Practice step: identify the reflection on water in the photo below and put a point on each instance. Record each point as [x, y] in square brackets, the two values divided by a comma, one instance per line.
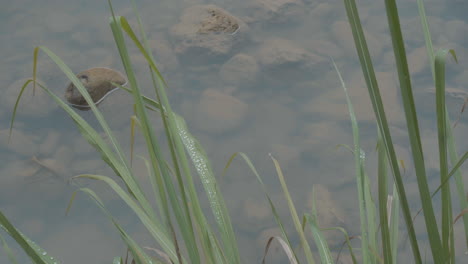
[267, 88]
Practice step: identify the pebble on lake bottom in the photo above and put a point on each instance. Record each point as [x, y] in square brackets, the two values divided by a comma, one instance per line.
[98, 83]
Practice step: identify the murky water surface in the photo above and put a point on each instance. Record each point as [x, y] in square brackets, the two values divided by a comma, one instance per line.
[262, 84]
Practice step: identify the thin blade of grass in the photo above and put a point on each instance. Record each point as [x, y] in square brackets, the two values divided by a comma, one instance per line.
[438, 252]
[146, 100]
[360, 175]
[377, 104]
[169, 124]
[347, 242]
[117, 260]
[180, 210]
[37, 254]
[394, 226]
[320, 241]
[8, 251]
[292, 210]
[155, 229]
[207, 237]
[116, 159]
[372, 232]
[455, 170]
[15, 108]
[383, 208]
[133, 123]
[439, 70]
[262, 185]
[139, 255]
[284, 245]
[450, 139]
[217, 204]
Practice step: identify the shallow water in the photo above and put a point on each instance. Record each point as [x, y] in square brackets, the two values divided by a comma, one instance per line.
[295, 111]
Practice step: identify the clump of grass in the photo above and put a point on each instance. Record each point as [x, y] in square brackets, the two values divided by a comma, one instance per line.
[441, 238]
[173, 216]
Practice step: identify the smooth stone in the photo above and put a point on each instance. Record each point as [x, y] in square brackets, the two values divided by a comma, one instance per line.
[98, 83]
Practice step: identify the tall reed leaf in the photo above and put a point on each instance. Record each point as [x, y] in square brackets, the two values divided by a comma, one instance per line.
[383, 203]
[218, 206]
[449, 133]
[359, 172]
[371, 81]
[155, 229]
[181, 212]
[292, 210]
[439, 70]
[37, 254]
[139, 256]
[270, 202]
[437, 251]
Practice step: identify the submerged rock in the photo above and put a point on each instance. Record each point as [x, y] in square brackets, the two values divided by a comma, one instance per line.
[218, 112]
[207, 32]
[98, 83]
[275, 11]
[240, 70]
[282, 60]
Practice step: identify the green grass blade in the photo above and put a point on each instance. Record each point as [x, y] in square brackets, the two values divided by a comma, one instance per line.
[115, 159]
[437, 251]
[459, 184]
[360, 175]
[372, 232]
[371, 81]
[394, 226]
[450, 139]
[8, 251]
[37, 254]
[286, 248]
[15, 108]
[427, 35]
[139, 256]
[383, 202]
[179, 148]
[320, 241]
[146, 100]
[217, 204]
[180, 210]
[173, 129]
[153, 227]
[117, 260]
[439, 70]
[347, 242]
[292, 210]
[270, 202]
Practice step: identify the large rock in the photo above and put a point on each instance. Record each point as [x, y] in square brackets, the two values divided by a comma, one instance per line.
[284, 61]
[275, 11]
[218, 112]
[98, 82]
[207, 32]
[239, 70]
[165, 57]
